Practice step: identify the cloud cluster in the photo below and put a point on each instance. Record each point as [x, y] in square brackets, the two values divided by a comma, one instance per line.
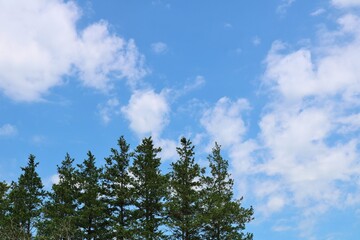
[40, 44]
[306, 154]
[309, 130]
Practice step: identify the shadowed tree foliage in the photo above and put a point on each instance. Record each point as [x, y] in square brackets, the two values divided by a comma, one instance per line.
[4, 211]
[118, 191]
[26, 200]
[149, 191]
[92, 211]
[60, 220]
[183, 205]
[223, 217]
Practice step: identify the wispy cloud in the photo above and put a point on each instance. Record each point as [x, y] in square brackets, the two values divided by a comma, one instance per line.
[256, 41]
[159, 47]
[109, 109]
[284, 6]
[318, 12]
[228, 25]
[346, 3]
[8, 130]
[198, 82]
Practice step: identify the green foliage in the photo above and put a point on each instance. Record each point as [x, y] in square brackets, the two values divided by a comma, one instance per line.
[118, 191]
[4, 207]
[92, 211]
[223, 217]
[183, 206]
[149, 191]
[128, 198]
[26, 200]
[60, 216]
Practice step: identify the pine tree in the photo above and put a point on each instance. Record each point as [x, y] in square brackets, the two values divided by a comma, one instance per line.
[26, 200]
[60, 210]
[3, 202]
[118, 191]
[4, 207]
[183, 203]
[223, 217]
[149, 191]
[91, 209]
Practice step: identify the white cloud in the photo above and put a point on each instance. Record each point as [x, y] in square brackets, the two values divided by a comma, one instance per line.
[297, 74]
[318, 12]
[109, 109]
[51, 180]
[159, 47]
[55, 179]
[147, 112]
[224, 123]
[8, 130]
[102, 54]
[40, 44]
[346, 3]
[38, 139]
[283, 7]
[309, 129]
[168, 148]
[198, 82]
[301, 157]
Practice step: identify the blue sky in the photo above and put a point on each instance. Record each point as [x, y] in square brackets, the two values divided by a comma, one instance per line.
[276, 83]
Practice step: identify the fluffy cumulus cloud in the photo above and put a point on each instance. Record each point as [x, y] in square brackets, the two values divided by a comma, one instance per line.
[310, 150]
[224, 123]
[8, 130]
[40, 44]
[147, 112]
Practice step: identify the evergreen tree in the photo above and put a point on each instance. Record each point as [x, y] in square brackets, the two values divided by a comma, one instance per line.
[223, 217]
[26, 200]
[91, 209]
[183, 202]
[4, 207]
[149, 191]
[60, 211]
[3, 202]
[118, 191]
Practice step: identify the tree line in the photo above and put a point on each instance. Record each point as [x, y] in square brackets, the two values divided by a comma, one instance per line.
[127, 198]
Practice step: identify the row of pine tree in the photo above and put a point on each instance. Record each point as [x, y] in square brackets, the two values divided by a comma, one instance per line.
[127, 198]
